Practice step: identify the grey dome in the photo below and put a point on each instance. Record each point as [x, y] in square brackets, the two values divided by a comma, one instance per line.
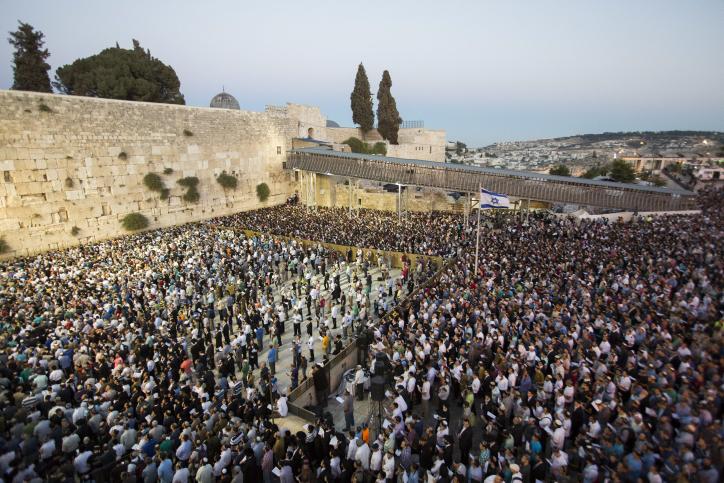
[331, 123]
[224, 100]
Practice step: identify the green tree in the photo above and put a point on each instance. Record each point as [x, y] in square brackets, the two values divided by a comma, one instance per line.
[622, 171]
[388, 119]
[560, 170]
[361, 100]
[30, 70]
[594, 171]
[115, 73]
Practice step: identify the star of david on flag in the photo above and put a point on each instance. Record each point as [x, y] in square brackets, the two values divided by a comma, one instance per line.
[488, 200]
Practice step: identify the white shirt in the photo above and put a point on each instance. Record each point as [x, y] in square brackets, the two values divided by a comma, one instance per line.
[81, 462]
[363, 456]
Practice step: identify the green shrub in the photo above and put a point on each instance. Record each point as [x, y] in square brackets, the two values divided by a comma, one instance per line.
[360, 147]
[262, 192]
[44, 108]
[560, 170]
[189, 182]
[122, 156]
[379, 148]
[356, 145]
[134, 222]
[167, 170]
[74, 231]
[227, 181]
[4, 247]
[154, 182]
[68, 182]
[192, 195]
[188, 133]
[165, 193]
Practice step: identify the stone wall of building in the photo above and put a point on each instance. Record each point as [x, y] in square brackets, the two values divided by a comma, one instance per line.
[79, 162]
[302, 118]
[414, 143]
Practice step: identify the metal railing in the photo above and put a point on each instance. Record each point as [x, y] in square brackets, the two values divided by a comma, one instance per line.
[412, 125]
[552, 189]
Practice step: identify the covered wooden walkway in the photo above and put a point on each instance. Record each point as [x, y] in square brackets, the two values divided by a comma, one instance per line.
[467, 179]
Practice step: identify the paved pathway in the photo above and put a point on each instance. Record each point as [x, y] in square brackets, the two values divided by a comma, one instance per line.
[284, 363]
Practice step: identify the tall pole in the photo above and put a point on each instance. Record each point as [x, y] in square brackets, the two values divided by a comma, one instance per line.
[349, 185]
[399, 202]
[477, 236]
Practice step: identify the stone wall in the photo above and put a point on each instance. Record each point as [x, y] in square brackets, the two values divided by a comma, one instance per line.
[332, 192]
[79, 162]
[414, 143]
[302, 118]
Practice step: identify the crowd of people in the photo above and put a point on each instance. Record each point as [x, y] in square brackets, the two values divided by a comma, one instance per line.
[432, 233]
[574, 351]
[153, 348]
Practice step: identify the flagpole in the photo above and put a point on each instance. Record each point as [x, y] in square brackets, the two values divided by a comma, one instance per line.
[477, 236]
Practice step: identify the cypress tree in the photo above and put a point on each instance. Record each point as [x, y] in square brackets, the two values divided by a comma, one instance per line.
[30, 70]
[361, 97]
[388, 119]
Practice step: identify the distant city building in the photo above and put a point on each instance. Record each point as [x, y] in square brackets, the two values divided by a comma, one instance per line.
[224, 100]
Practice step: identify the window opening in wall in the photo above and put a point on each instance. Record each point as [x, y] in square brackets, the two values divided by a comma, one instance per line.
[6, 176]
[430, 149]
[63, 215]
[105, 209]
[279, 150]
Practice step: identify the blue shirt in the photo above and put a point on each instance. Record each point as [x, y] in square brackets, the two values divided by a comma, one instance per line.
[272, 356]
[165, 471]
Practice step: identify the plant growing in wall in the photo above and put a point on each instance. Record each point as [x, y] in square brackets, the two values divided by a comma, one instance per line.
[192, 193]
[122, 156]
[134, 222]
[188, 133]
[227, 181]
[167, 170]
[262, 192]
[68, 182]
[74, 231]
[4, 247]
[154, 182]
[44, 108]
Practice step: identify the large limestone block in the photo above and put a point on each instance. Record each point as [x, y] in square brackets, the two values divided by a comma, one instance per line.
[76, 194]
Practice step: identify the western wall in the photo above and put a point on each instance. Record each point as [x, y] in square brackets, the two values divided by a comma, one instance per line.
[72, 167]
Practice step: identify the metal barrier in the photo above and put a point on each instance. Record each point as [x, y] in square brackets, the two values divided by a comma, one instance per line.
[467, 179]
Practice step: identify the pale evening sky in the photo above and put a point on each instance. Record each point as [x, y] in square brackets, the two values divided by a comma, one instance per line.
[485, 70]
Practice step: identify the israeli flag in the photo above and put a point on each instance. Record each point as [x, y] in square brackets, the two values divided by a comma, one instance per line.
[488, 199]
